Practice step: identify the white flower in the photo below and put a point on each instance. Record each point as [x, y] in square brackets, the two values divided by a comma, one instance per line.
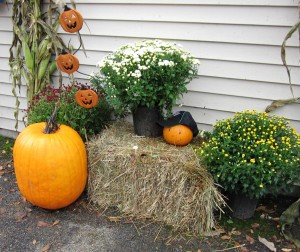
[100, 64]
[128, 52]
[196, 61]
[137, 74]
[135, 147]
[116, 69]
[166, 63]
[142, 67]
[92, 75]
[184, 57]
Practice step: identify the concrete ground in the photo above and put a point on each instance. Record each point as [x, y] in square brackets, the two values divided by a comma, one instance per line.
[79, 227]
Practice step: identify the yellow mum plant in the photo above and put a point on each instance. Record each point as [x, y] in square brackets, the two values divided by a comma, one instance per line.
[254, 153]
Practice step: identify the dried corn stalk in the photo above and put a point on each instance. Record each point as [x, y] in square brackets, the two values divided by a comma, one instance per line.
[34, 46]
[280, 103]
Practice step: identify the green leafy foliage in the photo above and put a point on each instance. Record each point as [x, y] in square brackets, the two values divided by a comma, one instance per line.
[148, 73]
[253, 152]
[85, 121]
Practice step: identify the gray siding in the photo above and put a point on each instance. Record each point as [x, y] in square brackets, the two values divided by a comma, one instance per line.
[237, 41]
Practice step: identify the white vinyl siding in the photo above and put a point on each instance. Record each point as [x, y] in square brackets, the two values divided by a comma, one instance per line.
[237, 41]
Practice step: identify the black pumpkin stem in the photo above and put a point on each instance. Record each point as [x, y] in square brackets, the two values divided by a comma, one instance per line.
[66, 8]
[52, 126]
[83, 87]
[63, 51]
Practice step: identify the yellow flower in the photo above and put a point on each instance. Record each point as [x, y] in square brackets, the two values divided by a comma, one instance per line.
[252, 160]
[261, 185]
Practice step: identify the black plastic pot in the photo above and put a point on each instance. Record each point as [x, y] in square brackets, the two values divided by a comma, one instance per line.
[144, 121]
[243, 207]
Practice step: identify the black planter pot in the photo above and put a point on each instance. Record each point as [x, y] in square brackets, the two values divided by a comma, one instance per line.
[144, 121]
[243, 207]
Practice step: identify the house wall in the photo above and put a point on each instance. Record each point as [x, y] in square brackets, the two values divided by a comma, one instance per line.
[237, 41]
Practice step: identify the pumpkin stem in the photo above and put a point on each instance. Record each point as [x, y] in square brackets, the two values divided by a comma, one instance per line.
[64, 52]
[51, 125]
[83, 87]
[66, 8]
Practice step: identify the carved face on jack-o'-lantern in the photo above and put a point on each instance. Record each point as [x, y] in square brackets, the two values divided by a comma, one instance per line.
[67, 62]
[70, 20]
[86, 98]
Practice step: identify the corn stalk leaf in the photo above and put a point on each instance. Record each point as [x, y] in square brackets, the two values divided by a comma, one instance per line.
[280, 103]
[283, 52]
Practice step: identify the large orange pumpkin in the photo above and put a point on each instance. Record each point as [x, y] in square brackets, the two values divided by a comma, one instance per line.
[51, 169]
[179, 135]
[70, 20]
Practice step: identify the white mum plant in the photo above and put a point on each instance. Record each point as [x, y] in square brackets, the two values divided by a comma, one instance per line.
[151, 73]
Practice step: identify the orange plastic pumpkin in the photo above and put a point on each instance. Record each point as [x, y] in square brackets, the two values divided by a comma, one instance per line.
[178, 135]
[51, 169]
[67, 62]
[86, 98]
[70, 20]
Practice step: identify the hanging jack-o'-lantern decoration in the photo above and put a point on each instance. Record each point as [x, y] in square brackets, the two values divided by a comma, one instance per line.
[86, 98]
[67, 62]
[71, 20]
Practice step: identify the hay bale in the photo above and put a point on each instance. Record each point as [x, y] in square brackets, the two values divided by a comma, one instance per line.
[145, 177]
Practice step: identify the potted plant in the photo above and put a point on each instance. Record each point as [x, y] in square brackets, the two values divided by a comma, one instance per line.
[146, 76]
[252, 154]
